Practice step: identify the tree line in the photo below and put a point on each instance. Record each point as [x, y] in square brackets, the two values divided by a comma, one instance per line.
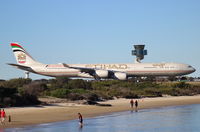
[24, 92]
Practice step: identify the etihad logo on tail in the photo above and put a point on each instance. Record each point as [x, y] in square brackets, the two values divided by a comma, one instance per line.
[21, 55]
[21, 58]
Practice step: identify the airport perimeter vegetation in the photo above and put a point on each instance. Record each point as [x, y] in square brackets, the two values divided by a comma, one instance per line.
[25, 92]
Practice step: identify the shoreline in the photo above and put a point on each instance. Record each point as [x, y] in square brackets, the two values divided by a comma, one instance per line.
[25, 116]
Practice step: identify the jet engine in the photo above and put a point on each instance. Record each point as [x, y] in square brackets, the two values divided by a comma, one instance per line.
[101, 73]
[120, 75]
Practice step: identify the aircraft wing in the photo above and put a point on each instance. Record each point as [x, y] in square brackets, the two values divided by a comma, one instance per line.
[26, 68]
[102, 73]
[90, 71]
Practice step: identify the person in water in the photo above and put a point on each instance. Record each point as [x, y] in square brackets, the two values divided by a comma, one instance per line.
[131, 103]
[80, 117]
[136, 105]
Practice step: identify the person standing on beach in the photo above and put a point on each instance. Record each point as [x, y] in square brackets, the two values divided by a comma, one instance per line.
[80, 117]
[136, 105]
[3, 116]
[131, 102]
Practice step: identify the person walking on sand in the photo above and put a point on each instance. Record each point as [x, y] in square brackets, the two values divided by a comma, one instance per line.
[3, 116]
[131, 103]
[136, 105]
[80, 117]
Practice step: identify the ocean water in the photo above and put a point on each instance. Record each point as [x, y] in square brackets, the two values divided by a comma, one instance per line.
[166, 119]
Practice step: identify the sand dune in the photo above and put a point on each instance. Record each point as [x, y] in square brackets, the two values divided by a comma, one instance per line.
[68, 111]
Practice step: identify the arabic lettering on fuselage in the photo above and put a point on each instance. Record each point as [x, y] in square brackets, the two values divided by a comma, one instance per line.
[107, 66]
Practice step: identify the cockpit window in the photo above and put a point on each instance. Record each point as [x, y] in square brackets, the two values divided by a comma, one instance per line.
[189, 66]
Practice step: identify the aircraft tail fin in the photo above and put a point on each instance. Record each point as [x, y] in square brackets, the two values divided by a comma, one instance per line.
[22, 57]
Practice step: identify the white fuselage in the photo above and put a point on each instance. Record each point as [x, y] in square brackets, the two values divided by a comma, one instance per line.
[131, 70]
[97, 71]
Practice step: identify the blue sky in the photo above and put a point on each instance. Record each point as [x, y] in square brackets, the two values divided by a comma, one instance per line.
[99, 31]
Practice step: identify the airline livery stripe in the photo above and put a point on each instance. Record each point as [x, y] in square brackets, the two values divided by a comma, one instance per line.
[18, 50]
[160, 71]
[59, 72]
[16, 45]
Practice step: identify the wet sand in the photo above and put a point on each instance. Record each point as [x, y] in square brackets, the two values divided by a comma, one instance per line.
[68, 111]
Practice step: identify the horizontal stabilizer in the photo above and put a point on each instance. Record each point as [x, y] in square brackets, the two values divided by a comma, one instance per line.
[21, 67]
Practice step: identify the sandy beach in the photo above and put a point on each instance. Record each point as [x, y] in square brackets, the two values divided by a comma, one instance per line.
[68, 111]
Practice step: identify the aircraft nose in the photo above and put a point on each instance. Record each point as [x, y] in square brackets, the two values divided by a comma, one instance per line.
[193, 69]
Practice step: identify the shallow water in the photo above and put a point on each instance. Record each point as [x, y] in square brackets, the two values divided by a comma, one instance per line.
[166, 119]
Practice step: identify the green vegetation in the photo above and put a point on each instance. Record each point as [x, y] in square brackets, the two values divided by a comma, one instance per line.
[20, 92]
[15, 93]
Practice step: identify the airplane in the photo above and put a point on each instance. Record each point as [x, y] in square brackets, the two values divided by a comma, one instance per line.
[120, 71]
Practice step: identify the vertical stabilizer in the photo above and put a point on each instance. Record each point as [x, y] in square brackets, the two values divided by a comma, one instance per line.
[22, 57]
